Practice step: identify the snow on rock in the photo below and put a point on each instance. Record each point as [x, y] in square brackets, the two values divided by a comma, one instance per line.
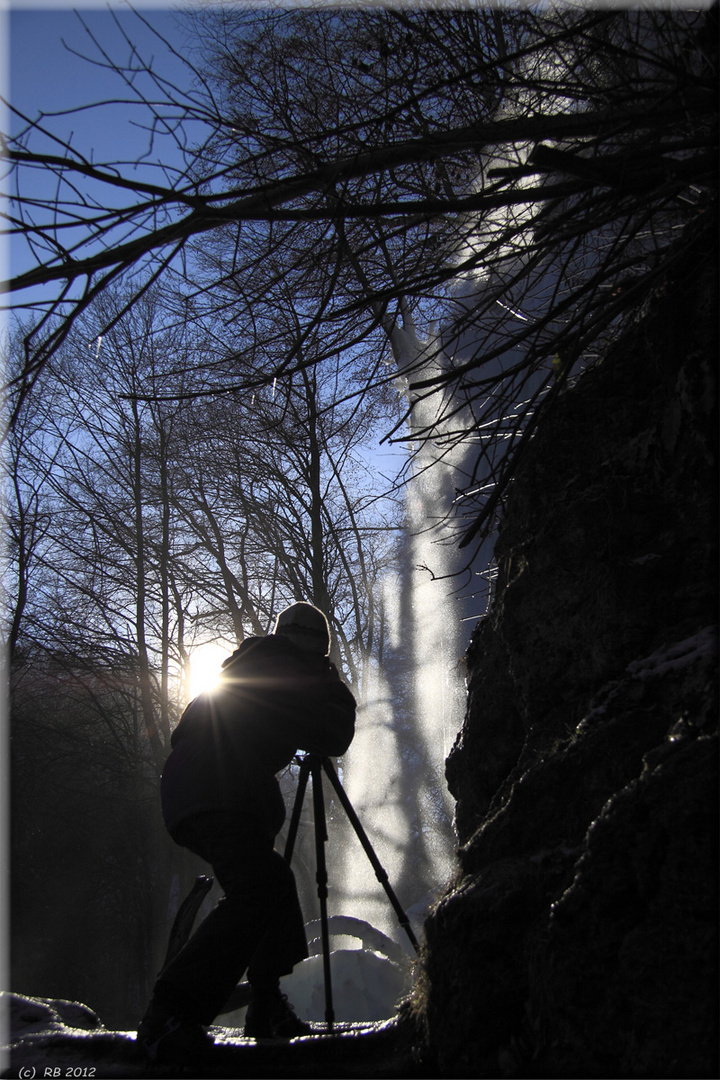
[57, 1038]
[669, 659]
[678, 655]
[46, 1014]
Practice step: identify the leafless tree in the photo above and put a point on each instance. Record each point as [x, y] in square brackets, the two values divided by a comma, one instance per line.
[369, 161]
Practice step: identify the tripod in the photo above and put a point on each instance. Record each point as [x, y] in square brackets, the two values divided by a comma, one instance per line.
[313, 766]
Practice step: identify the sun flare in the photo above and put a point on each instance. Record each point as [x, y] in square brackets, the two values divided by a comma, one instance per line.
[205, 664]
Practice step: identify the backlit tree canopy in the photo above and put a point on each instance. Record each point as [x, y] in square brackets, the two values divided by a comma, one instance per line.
[505, 184]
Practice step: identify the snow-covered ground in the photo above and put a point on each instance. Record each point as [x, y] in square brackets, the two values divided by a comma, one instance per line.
[63, 1039]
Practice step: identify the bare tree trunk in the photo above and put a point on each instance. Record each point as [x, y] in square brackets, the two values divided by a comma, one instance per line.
[145, 673]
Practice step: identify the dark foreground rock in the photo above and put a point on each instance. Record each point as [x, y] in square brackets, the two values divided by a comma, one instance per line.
[580, 937]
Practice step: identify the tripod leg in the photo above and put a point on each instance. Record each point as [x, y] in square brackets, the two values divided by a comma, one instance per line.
[322, 890]
[295, 819]
[380, 872]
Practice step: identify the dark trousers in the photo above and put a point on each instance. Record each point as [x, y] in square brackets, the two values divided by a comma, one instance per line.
[257, 926]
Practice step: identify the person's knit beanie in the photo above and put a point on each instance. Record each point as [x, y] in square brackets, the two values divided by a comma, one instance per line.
[306, 626]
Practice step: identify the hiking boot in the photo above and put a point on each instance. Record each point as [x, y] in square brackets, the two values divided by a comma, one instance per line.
[169, 1038]
[273, 1017]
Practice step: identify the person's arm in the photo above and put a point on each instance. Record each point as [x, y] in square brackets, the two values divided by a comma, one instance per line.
[301, 699]
[327, 723]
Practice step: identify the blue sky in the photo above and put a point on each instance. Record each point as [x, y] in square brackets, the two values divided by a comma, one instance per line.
[43, 73]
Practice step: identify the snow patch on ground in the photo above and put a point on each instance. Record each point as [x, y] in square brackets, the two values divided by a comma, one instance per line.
[366, 987]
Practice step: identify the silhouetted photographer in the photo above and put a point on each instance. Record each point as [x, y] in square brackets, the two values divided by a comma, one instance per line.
[221, 799]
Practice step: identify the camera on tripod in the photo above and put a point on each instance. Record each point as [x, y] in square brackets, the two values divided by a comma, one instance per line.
[312, 766]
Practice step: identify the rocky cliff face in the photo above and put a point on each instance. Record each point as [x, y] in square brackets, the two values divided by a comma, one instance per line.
[579, 938]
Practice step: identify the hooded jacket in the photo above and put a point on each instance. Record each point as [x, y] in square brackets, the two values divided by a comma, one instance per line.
[274, 699]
